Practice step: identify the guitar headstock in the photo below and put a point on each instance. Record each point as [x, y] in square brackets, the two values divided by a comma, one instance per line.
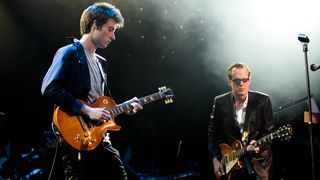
[166, 93]
[284, 132]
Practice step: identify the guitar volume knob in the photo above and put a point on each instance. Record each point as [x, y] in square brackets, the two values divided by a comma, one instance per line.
[77, 138]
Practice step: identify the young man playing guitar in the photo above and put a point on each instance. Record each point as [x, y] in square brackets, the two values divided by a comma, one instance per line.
[239, 118]
[78, 75]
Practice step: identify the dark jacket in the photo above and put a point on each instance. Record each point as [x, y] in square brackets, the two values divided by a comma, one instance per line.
[223, 128]
[68, 78]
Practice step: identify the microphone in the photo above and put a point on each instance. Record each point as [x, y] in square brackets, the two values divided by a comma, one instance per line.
[314, 67]
[303, 38]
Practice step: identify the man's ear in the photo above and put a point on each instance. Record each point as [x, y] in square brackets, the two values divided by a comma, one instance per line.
[229, 82]
[94, 25]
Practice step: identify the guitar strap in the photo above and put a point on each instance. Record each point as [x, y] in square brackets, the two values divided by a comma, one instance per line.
[245, 134]
[106, 137]
[103, 75]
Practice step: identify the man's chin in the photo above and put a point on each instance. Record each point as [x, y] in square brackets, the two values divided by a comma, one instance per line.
[102, 46]
[242, 94]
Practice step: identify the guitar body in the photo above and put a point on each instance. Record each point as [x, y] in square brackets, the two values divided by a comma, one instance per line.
[81, 132]
[85, 134]
[231, 161]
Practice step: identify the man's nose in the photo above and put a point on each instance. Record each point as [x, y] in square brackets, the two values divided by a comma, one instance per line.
[113, 36]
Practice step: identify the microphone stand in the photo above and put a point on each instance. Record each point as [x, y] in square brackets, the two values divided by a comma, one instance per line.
[305, 40]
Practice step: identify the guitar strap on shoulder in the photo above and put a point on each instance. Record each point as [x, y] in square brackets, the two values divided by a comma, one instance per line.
[103, 74]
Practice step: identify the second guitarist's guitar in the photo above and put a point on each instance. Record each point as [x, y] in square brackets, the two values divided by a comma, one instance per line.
[231, 155]
[85, 134]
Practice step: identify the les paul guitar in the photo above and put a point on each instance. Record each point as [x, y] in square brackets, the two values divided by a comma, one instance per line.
[85, 134]
[231, 155]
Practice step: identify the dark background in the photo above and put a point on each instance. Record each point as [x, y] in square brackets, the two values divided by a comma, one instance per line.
[184, 45]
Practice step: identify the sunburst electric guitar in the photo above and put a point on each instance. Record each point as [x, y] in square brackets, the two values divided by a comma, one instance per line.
[84, 134]
[230, 155]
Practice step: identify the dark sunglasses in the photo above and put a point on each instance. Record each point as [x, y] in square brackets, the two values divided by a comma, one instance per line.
[238, 81]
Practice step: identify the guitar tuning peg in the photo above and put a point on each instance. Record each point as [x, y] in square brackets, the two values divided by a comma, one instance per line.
[167, 101]
[162, 88]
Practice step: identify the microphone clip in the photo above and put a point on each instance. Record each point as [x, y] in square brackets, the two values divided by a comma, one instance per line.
[314, 67]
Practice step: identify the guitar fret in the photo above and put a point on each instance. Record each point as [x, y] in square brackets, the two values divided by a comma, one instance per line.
[150, 98]
[117, 110]
[127, 107]
[111, 112]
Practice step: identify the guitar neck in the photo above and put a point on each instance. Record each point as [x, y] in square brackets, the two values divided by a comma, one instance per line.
[266, 138]
[124, 107]
[259, 142]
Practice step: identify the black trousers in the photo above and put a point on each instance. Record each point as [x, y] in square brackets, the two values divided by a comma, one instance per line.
[103, 162]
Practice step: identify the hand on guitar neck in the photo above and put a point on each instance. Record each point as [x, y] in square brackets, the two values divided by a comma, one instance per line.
[251, 148]
[102, 115]
[134, 102]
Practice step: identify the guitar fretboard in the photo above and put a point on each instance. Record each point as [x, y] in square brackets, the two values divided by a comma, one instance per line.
[259, 142]
[126, 106]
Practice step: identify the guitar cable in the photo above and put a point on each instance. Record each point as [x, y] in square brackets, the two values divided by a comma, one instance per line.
[56, 150]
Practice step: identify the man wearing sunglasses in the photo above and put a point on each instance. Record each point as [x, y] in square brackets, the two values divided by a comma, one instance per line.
[239, 118]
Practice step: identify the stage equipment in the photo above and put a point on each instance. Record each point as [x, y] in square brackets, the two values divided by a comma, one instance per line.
[305, 40]
[314, 67]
